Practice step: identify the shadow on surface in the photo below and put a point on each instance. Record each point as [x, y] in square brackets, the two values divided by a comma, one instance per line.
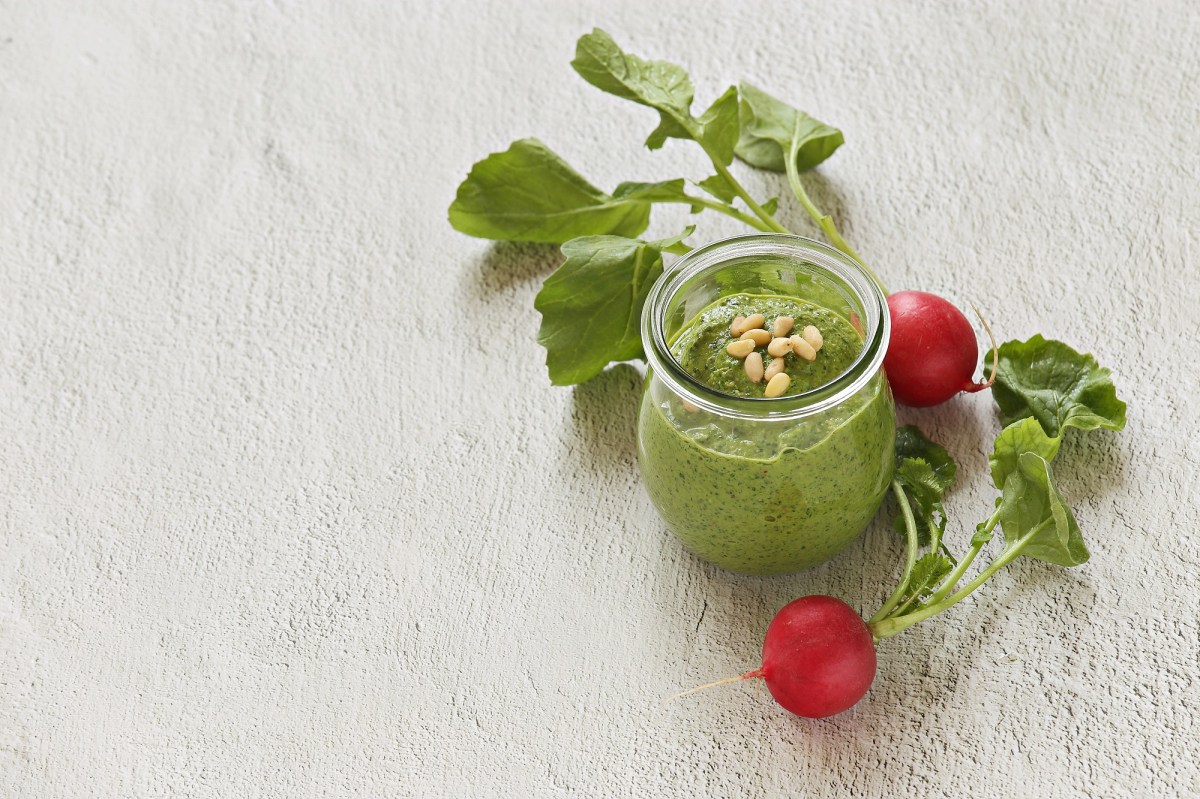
[953, 641]
[1091, 463]
[604, 414]
[825, 195]
[506, 266]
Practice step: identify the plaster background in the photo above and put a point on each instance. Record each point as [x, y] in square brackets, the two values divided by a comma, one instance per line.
[288, 507]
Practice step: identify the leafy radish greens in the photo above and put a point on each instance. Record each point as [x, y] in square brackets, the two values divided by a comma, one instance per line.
[1032, 513]
[529, 193]
[769, 127]
[599, 271]
[1057, 386]
[1024, 436]
[927, 472]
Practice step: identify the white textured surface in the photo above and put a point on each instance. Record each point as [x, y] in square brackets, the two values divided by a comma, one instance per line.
[288, 507]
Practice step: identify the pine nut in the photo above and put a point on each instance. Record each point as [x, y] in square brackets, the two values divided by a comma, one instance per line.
[740, 348]
[758, 336]
[779, 347]
[752, 321]
[754, 367]
[690, 407]
[776, 365]
[813, 337]
[738, 326]
[803, 348]
[783, 326]
[779, 384]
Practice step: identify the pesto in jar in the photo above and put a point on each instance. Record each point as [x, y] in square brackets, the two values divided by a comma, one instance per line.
[756, 495]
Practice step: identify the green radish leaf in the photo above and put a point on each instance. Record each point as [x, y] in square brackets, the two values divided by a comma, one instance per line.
[771, 206]
[716, 128]
[718, 187]
[672, 244]
[922, 481]
[1061, 388]
[926, 472]
[719, 127]
[666, 88]
[668, 128]
[660, 85]
[983, 531]
[662, 191]
[767, 127]
[666, 191]
[929, 571]
[1014, 441]
[924, 489]
[1030, 504]
[592, 305]
[912, 443]
[528, 193]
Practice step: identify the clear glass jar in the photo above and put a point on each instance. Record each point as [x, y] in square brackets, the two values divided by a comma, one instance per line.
[756, 485]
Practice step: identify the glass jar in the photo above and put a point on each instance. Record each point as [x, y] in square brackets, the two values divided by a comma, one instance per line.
[757, 485]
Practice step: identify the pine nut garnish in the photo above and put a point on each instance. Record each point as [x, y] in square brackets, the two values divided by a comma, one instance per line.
[783, 326]
[813, 337]
[740, 348]
[779, 347]
[776, 366]
[778, 384]
[738, 326]
[803, 348]
[754, 367]
[758, 336]
[752, 321]
[690, 407]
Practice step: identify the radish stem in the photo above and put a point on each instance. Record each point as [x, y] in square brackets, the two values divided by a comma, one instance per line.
[889, 627]
[823, 220]
[726, 209]
[910, 531]
[737, 187]
[952, 579]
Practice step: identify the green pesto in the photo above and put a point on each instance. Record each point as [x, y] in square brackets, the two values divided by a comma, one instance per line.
[766, 497]
[700, 346]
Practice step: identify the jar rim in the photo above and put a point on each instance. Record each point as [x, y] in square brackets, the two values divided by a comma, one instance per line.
[711, 258]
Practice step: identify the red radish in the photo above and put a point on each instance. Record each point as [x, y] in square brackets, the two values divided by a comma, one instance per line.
[818, 657]
[933, 352]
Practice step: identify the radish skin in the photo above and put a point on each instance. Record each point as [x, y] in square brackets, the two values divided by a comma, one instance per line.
[933, 351]
[818, 657]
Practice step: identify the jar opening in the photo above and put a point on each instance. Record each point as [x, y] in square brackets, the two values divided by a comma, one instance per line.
[764, 264]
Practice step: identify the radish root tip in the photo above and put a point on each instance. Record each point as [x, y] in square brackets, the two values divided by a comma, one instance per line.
[973, 387]
[750, 675]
